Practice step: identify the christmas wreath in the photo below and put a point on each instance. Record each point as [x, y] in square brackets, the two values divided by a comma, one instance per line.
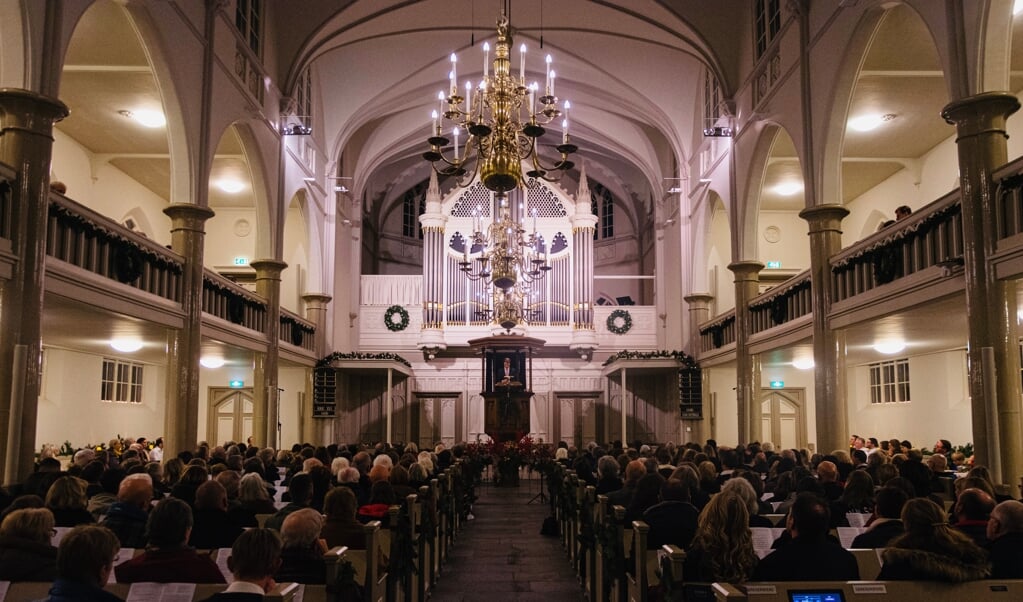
[619, 322]
[396, 325]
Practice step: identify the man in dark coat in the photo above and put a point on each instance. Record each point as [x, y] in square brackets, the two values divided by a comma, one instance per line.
[128, 515]
[673, 520]
[214, 527]
[302, 555]
[887, 524]
[809, 556]
[1005, 535]
[85, 560]
[168, 559]
[972, 510]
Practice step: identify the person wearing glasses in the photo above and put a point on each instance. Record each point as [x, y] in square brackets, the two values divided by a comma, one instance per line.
[85, 560]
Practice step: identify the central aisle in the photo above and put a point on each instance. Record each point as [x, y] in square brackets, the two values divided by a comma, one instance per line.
[501, 556]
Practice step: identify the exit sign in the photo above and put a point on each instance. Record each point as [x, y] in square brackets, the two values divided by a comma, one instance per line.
[241, 261]
[777, 384]
[236, 384]
[773, 265]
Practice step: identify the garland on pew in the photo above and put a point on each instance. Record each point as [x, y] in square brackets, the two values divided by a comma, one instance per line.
[346, 586]
[337, 356]
[402, 563]
[608, 538]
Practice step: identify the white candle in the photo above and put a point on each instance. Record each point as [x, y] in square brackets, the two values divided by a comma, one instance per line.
[486, 59]
[455, 131]
[532, 99]
[534, 222]
[440, 99]
[454, 74]
[453, 86]
[468, 95]
[564, 133]
[522, 63]
[436, 124]
[548, 85]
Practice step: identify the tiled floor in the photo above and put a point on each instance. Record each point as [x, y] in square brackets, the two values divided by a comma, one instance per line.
[501, 556]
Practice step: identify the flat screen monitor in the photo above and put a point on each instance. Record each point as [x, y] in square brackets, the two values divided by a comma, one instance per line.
[816, 595]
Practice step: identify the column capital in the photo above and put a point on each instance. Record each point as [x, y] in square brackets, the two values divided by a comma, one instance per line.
[187, 216]
[745, 269]
[268, 268]
[827, 216]
[316, 300]
[698, 300]
[980, 113]
[33, 112]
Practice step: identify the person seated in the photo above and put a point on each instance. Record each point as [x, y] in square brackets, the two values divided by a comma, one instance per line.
[168, 559]
[607, 471]
[931, 550]
[38, 483]
[255, 558]
[887, 521]
[67, 501]
[301, 490]
[1005, 540]
[673, 520]
[742, 488]
[972, 511]
[253, 499]
[25, 550]
[85, 560]
[648, 494]
[634, 471]
[381, 499]
[185, 488]
[128, 515]
[213, 527]
[856, 497]
[827, 476]
[722, 547]
[809, 556]
[302, 554]
[341, 527]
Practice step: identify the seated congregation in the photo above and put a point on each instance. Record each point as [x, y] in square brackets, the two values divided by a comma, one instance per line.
[629, 517]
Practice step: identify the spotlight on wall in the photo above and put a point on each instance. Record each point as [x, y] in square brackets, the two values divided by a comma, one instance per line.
[803, 363]
[211, 361]
[145, 117]
[890, 346]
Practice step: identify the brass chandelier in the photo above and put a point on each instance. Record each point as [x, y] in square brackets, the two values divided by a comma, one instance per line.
[503, 122]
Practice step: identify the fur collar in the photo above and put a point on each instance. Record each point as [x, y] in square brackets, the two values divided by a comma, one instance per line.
[969, 564]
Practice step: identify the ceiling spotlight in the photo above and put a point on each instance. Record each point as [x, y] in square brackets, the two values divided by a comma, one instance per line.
[788, 188]
[890, 346]
[803, 363]
[230, 185]
[146, 117]
[126, 345]
[212, 361]
[866, 123]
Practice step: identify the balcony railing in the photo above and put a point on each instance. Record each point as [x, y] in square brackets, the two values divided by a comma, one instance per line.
[786, 302]
[228, 301]
[930, 236]
[718, 333]
[1009, 200]
[297, 331]
[85, 239]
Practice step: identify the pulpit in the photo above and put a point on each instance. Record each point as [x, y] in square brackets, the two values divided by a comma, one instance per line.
[507, 365]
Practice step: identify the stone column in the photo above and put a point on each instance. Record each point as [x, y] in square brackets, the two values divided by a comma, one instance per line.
[828, 346]
[990, 303]
[699, 312]
[266, 395]
[26, 143]
[315, 312]
[747, 282]
[181, 414]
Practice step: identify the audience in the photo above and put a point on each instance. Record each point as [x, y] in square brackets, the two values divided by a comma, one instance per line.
[341, 527]
[722, 548]
[168, 559]
[213, 527]
[809, 556]
[25, 550]
[67, 501]
[887, 520]
[253, 500]
[674, 519]
[127, 516]
[972, 510]
[301, 490]
[255, 558]
[932, 550]
[85, 560]
[302, 554]
[1005, 540]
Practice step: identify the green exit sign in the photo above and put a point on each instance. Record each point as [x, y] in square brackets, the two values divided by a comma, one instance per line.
[773, 265]
[777, 384]
[241, 261]
[236, 384]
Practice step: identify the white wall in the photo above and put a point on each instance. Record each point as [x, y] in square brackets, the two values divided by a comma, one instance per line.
[726, 427]
[940, 406]
[107, 190]
[224, 242]
[791, 248]
[70, 408]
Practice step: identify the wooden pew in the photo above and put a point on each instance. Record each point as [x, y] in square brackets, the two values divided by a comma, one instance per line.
[26, 591]
[369, 570]
[990, 590]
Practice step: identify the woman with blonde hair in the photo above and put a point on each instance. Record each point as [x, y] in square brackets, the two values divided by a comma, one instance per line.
[25, 550]
[931, 550]
[67, 501]
[722, 549]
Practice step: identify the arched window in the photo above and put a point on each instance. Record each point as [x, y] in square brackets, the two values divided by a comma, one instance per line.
[413, 205]
[602, 203]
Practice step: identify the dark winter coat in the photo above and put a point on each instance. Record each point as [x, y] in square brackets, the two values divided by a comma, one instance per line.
[969, 564]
